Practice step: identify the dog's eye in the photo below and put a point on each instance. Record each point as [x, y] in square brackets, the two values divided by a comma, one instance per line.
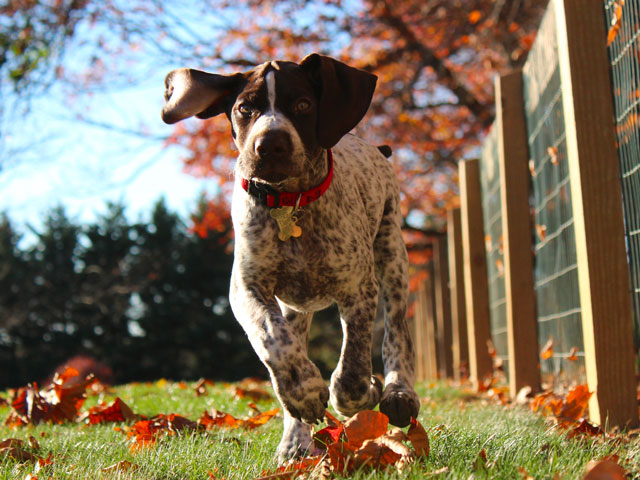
[245, 110]
[302, 106]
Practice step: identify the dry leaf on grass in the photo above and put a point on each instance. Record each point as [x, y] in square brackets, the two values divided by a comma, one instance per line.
[605, 469]
[255, 394]
[57, 403]
[363, 441]
[116, 411]
[123, 466]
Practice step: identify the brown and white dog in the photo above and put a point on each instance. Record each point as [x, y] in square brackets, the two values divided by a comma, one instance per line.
[316, 214]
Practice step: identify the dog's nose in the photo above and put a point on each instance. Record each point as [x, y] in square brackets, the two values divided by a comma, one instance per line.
[274, 144]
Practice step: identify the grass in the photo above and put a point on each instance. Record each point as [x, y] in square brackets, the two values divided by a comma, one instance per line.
[460, 426]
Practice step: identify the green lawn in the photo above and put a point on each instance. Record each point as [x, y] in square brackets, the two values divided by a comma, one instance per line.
[460, 427]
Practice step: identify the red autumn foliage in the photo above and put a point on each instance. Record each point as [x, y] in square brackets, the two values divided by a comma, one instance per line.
[255, 394]
[566, 410]
[363, 441]
[145, 432]
[217, 419]
[57, 403]
[116, 411]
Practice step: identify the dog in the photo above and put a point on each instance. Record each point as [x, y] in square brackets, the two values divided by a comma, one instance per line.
[317, 221]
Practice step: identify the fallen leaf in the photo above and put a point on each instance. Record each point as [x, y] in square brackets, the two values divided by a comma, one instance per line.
[16, 449]
[144, 433]
[547, 351]
[585, 428]
[606, 469]
[58, 403]
[201, 387]
[576, 403]
[419, 439]
[256, 394]
[481, 461]
[123, 466]
[217, 419]
[116, 411]
[365, 425]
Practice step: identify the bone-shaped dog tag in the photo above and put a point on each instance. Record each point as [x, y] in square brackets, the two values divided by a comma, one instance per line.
[286, 222]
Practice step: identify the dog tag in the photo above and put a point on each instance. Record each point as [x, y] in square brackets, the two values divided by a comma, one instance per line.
[286, 222]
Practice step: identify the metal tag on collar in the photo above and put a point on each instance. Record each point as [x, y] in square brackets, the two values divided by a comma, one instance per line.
[286, 222]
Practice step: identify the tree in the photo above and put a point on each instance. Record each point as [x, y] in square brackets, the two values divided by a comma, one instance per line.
[435, 60]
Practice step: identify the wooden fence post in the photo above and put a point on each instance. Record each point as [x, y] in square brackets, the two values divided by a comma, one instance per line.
[459, 341]
[513, 155]
[475, 271]
[443, 307]
[425, 331]
[603, 274]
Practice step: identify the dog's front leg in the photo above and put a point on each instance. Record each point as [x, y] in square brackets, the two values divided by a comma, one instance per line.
[296, 380]
[353, 388]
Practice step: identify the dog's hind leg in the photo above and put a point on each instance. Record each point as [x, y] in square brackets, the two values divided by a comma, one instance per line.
[353, 388]
[399, 400]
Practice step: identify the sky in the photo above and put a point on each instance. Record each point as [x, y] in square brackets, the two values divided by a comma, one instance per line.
[50, 159]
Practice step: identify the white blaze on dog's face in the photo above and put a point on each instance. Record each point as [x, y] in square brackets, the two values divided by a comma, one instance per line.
[283, 114]
[274, 123]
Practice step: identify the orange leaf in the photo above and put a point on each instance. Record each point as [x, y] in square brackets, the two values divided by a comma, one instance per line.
[116, 411]
[474, 17]
[256, 394]
[541, 230]
[123, 466]
[260, 419]
[553, 154]
[547, 351]
[576, 403]
[615, 21]
[606, 469]
[573, 354]
[418, 438]
[365, 425]
[491, 348]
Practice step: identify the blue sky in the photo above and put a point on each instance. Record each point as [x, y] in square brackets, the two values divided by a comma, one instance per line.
[60, 160]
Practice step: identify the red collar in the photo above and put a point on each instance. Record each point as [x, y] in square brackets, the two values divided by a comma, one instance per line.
[274, 199]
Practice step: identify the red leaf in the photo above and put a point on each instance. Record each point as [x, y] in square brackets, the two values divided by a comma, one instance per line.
[365, 425]
[256, 394]
[116, 411]
[418, 438]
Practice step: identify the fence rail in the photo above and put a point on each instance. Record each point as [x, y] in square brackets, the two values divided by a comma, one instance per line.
[546, 245]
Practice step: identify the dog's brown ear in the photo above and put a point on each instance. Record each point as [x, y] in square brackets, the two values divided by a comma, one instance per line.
[344, 96]
[192, 92]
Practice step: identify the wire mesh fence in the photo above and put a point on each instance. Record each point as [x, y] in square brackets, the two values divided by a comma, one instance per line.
[492, 215]
[623, 20]
[555, 271]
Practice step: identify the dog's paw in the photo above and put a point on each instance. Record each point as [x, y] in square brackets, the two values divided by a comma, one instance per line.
[302, 391]
[296, 441]
[400, 403]
[348, 399]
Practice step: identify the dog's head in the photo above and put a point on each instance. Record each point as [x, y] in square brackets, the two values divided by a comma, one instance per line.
[282, 114]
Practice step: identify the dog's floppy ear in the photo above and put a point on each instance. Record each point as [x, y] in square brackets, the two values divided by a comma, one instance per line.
[191, 92]
[344, 96]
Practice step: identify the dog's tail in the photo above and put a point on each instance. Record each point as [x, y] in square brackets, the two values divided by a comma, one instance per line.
[385, 150]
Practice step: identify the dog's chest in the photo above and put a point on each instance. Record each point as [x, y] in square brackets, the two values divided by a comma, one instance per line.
[328, 259]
